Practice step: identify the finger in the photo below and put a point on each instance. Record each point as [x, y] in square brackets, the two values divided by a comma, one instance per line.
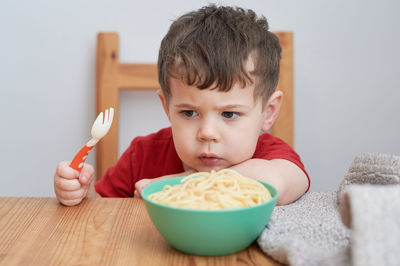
[142, 184]
[137, 195]
[66, 184]
[70, 202]
[70, 195]
[65, 171]
[87, 174]
[85, 190]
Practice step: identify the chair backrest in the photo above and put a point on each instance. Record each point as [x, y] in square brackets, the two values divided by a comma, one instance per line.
[113, 76]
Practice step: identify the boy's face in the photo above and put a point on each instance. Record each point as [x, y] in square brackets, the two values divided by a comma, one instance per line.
[213, 130]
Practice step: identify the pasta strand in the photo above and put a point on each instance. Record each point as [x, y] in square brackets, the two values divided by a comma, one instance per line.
[216, 190]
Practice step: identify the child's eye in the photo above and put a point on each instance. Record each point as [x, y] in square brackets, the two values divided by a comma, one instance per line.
[230, 115]
[189, 113]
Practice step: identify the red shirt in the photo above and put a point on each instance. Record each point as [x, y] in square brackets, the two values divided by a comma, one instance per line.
[155, 155]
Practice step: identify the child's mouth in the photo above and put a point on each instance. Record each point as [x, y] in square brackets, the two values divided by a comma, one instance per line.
[210, 160]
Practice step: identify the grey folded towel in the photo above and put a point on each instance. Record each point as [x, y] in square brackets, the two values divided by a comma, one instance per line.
[310, 231]
[306, 232]
[370, 168]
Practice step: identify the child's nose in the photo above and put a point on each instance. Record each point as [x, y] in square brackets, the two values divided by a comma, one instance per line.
[208, 131]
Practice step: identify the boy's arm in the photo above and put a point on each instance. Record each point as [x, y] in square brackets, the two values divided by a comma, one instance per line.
[290, 181]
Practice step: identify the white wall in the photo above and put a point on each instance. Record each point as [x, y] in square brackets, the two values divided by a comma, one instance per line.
[347, 79]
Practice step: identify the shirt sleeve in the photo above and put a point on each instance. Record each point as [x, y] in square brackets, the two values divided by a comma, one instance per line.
[270, 147]
[117, 181]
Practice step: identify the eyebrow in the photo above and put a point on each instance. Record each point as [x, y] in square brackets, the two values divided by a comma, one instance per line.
[222, 107]
[185, 105]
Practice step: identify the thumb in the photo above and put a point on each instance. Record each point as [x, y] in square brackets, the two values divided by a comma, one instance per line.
[86, 175]
[64, 170]
[140, 185]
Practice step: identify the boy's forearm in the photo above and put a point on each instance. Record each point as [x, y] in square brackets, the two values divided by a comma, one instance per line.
[290, 181]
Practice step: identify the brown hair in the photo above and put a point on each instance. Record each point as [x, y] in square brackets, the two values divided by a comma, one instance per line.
[209, 47]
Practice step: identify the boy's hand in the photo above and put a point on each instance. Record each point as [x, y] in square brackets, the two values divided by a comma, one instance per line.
[141, 184]
[70, 186]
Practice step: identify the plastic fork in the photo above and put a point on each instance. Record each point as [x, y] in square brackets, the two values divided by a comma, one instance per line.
[99, 130]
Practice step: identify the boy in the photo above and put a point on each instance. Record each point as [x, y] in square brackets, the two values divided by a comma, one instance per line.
[218, 69]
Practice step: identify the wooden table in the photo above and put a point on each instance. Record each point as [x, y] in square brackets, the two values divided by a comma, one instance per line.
[99, 231]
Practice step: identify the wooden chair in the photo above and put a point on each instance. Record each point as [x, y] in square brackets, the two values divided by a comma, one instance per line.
[113, 76]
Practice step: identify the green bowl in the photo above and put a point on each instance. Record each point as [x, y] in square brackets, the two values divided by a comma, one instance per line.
[208, 232]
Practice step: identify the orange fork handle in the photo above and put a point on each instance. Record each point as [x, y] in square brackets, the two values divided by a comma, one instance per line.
[80, 158]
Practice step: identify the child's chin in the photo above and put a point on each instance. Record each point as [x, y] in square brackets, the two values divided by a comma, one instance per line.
[205, 168]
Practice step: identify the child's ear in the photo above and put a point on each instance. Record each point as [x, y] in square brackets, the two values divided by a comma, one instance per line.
[272, 108]
[163, 101]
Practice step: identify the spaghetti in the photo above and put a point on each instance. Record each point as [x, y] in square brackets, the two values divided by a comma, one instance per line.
[224, 189]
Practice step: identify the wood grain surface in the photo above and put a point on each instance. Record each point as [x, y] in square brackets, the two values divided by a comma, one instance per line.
[99, 231]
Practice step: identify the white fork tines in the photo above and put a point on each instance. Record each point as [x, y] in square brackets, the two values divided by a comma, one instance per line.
[100, 127]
